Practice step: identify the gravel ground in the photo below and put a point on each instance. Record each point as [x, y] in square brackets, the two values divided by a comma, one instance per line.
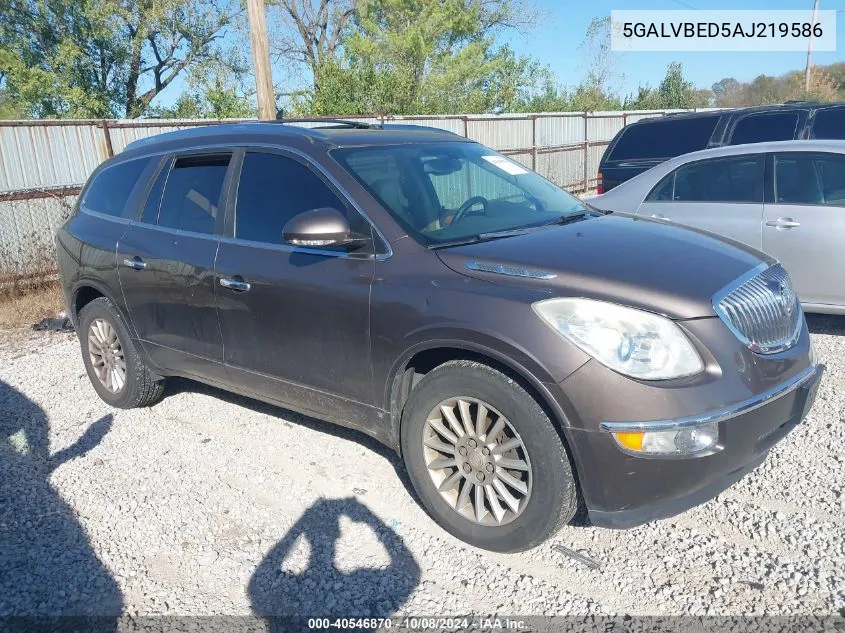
[209, 503]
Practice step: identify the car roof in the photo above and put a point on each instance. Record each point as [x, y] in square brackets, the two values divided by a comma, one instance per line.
[278, 132]
[820, 145]
[778, 107]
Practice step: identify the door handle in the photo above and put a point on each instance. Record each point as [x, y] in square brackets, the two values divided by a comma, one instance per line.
[136, 262]
[783, 223]
[238, 285]
[658, 216]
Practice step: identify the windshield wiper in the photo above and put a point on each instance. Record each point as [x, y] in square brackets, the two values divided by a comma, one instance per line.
[463, 241]
[569, 218]
[495, 235]
[490, 235]
[595, 209]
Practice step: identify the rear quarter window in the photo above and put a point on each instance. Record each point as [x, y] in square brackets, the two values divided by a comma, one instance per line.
[191, 199]
[665, 138]
[829, 124]
[759, 128]
[111, 190]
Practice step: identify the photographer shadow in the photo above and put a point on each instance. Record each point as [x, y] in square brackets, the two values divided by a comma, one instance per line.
[48, 567]
[321, 589]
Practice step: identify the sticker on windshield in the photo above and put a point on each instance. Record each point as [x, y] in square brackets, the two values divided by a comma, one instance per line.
[514, 169]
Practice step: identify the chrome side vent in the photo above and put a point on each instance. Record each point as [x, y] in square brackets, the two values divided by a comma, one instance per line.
[513, 271]
[762, 310]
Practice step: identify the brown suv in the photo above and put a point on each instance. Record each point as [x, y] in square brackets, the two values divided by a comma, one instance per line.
[523, 352]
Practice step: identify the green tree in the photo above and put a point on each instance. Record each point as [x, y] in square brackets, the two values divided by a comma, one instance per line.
[674, 92]
[214, 91]
[103, 58]
[424, 57]
[310, 32]
[726, 91]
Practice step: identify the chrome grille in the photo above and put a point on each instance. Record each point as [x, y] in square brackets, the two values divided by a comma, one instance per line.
[762, 310]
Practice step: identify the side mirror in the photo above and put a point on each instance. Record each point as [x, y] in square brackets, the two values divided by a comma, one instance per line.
[319, 227]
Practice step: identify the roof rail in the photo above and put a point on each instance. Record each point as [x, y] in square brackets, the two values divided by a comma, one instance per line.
[358, 125]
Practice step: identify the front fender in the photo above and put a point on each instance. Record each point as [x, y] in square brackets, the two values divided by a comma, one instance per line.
[503, 351]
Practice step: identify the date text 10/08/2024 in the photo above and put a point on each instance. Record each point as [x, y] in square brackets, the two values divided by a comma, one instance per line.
[419, 623]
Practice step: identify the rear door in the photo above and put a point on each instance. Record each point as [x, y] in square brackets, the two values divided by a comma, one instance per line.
[295, 321]
[722, 195]
[166, 264]
[804, 223]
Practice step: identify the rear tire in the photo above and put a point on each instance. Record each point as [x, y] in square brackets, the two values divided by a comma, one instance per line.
[116, 370]
[504, 443]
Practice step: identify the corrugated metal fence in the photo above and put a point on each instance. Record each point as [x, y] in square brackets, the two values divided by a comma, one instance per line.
[43, 164]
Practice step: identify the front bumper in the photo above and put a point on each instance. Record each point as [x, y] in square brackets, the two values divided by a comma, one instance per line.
[623, 490]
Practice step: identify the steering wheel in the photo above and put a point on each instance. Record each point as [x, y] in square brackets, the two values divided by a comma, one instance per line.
[466, 206]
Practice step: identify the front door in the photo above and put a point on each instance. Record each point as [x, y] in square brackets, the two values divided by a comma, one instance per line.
[721, 195]
[804, 224]
[295, 321]
[166, 264]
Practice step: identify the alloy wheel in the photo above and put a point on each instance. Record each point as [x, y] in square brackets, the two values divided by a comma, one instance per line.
[477, 461]
[106, 354]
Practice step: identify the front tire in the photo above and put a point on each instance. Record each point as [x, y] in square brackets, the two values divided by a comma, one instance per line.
[116, 370]
[485, 459]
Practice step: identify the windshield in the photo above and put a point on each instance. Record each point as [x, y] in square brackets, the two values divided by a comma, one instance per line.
[448, 192]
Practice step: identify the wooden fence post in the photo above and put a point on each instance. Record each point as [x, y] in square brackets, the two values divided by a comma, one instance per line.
[586, 149]
[107, 135]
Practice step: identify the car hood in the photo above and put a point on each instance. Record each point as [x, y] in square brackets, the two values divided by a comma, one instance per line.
[629, 260]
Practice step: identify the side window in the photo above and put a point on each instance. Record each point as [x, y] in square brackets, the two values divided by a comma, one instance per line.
[666, 138]
[153, 201]
[832, 174]
[191, 197]
[664, 191]
[273, 189]
[829, 123]
[796, 181]
[721, 180]
[758, 128]
[112, 188]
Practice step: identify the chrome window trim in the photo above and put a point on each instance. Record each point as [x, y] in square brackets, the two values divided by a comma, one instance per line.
[106, 216]
[311, 161]
[724, 292]
[286, 248]
[180, 232]
[290, 248]
[719, 415]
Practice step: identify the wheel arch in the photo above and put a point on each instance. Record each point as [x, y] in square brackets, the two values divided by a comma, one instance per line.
[429, 355]
[87, 290]
[421, 358]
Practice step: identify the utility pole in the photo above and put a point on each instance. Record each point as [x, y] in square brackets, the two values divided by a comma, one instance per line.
[810, 51]
[261, 60]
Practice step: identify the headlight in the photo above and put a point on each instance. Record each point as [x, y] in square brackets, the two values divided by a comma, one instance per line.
[633, 342]
[681, 441]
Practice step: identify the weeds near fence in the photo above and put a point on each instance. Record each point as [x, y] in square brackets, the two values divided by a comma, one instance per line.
[29, 289]
[30, 306]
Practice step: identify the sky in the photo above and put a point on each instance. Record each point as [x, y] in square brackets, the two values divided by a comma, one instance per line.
[556, 40]
[564, 23]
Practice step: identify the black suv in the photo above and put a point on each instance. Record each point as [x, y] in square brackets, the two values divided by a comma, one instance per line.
[521, 351]
[642, 145]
